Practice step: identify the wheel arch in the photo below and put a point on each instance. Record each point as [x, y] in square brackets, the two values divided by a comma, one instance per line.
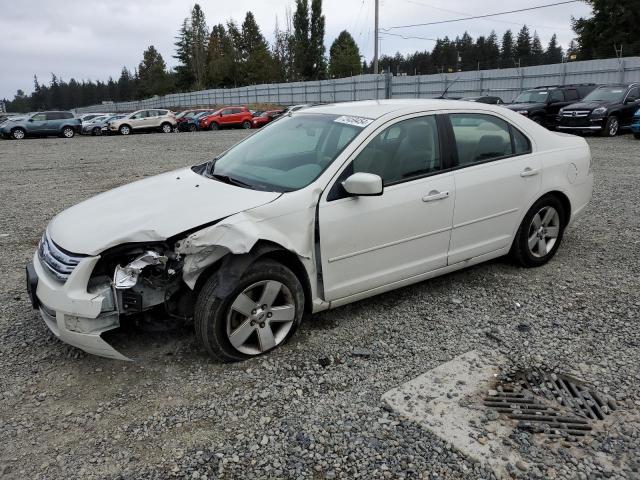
[234, 265]
[562, 197]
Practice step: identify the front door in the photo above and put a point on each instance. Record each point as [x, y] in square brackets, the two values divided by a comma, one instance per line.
[38, 123]
[368, 242]
[631, 104]
[497, 176]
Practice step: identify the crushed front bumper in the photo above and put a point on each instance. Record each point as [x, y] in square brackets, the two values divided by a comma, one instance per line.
[73, 314]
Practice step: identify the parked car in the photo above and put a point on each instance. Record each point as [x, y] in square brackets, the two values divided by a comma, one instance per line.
[484, 99]
[265, 118]
[227, 117]
[326, 206]
[192, 123]
[186, 115]
[606, 110]
[542, 104]
[42, 124]
[145, 120]
[88, 125]
[88, 117]
[100, 125]
[295, 108]
[635, 125]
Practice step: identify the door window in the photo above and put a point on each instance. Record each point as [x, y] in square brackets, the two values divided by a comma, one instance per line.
[480, 138]
[633, 94]
[406, 150]
[556, 96]
[571, 94]
[39, 117]
[227, 111]
[236, 110]
[53, 116]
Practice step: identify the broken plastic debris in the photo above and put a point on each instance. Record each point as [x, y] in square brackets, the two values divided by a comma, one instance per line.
[127, 277]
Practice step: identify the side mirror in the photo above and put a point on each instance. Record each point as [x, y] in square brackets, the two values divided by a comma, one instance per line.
[31, 119]
[631, 100]
[363, 184]
[220, 114]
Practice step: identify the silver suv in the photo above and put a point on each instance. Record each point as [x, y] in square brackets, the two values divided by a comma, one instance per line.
[156, 119]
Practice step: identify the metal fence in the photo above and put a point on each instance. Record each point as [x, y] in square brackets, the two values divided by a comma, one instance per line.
[505, 83]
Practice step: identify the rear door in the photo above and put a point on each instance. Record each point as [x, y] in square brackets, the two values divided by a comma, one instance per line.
[496, 177]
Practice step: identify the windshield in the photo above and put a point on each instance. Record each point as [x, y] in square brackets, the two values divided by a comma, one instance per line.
[607, 94]
[288, 154]
[532, 96]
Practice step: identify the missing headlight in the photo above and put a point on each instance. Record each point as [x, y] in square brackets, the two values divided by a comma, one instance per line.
[127, 277]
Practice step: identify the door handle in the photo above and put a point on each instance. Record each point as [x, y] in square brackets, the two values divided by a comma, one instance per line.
[435, 195]
[529, 172]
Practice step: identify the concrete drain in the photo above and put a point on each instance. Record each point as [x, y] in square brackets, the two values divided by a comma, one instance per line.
[550, 403]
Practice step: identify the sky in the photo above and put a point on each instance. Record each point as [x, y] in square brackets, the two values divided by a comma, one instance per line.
[94, 39]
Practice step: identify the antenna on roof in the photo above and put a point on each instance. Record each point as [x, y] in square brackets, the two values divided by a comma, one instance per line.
[444, 93]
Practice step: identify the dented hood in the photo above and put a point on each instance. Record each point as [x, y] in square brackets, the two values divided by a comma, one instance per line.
[152, 209]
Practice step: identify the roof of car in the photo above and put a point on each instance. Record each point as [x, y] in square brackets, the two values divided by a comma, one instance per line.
[377, 108]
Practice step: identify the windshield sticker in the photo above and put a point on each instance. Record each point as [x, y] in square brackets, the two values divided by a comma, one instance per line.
[355, 121]
[542, 93]
[616, 91]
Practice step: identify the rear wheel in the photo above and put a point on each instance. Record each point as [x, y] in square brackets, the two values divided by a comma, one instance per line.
[611, 127]
[166, 128]
[636, 135]
[540, 232]
[18, 133]
[246, 124]
[68, 132]
[192, 127]
[97, 131]
[124, 130]
[214, 126]
[261, 312]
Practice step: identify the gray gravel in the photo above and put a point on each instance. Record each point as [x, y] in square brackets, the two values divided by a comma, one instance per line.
[312, 408]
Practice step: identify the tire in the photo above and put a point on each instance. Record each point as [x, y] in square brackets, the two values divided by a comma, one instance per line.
[67, 132]
[96, 131]
[216, 321]
[124, 130]
[611, 127]
[540, 233]
[246, 125]
[214, 126]
[636, 135]
[18, 133]
[192, 127]
[166, 128]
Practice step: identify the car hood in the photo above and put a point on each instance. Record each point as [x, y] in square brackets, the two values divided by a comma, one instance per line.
[588, 105]
[148, 210]
[523, 106]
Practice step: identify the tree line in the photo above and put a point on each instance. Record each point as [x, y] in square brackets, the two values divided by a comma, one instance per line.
[231, 55]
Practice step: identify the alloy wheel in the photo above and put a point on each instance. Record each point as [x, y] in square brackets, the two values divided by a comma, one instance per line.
[125, 130]
[18, 134]
[67, 132]
[260, 317]
[543, 231]
[166, 128]
[613, 126]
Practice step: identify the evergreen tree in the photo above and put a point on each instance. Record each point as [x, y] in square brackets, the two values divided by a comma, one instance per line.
[255, 53]
[523, 46]
[537, 52]
[612, 25]
[344, 56]
[184, 69]
[220, 58]
[466, 52]
[152, 73]
[301, 41]
[125, 86]
[507, 50]
[317, 61]
[492, 51]
[554, 51]
[199, 37]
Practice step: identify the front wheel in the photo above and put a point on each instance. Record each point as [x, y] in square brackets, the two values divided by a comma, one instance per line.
[192, 127]
[636, 135]
[166, 128]
[124, 130]
[97, 131]
[18, 134]
[611, 127]
[540, 233]
[261, 312]
[214, 126]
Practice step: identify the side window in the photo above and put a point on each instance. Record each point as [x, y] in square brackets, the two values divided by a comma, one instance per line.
[480, 137]
[403, 151]
[227, 111]
[138, 115]
[237, 110]
[571, 94]
[556, 96]
[521, 144]
[634, 94]
[39, 117]
[53, 116]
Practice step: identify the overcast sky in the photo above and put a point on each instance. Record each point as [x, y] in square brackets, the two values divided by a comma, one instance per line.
[93, 39]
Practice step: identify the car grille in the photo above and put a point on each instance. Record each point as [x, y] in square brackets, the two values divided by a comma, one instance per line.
[55, 260]
[576, 113]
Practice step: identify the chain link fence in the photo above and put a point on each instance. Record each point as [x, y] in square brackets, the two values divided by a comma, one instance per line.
[505, 83]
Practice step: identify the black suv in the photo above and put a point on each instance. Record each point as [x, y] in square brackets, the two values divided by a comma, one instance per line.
[542, 104]
[605, 110]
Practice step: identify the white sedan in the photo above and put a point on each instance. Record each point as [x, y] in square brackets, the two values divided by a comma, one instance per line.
[321, 208]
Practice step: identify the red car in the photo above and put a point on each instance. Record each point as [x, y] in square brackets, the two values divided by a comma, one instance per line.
[227, 117]
[265, 117]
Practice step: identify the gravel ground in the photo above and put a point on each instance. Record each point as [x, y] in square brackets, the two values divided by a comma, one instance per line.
[312, 408]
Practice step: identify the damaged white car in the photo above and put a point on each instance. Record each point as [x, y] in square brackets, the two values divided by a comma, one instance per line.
[324, 207]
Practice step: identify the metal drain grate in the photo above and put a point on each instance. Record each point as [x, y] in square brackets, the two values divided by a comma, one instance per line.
[531, 398]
